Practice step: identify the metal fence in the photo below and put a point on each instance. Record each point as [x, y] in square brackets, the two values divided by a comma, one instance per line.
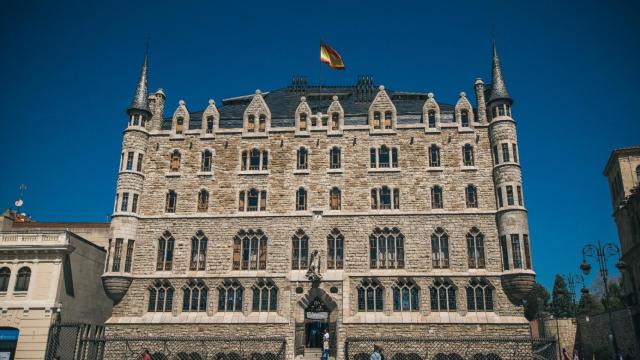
[452, 348]
[83, 342]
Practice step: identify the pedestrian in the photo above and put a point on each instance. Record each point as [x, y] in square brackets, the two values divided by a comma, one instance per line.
[376, 353]
[381, 353]
[575, 355]
[565, 354]
[147, 355]
[325, 345]
[629, 355]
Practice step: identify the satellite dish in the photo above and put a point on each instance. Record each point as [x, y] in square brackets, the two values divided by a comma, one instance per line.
[19, 202]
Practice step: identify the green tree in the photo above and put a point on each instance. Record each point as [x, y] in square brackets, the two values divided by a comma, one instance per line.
[615, 296]
[589, 305]
[537, 302]
[561, 305]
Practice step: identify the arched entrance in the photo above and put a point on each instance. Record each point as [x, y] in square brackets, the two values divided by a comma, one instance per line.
[316, 316]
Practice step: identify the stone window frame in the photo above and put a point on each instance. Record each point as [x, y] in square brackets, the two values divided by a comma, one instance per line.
[261, 290]
[516, 251]
[443, 295]
[468, 155]
[377, 194]
[244, 197]
[380, 107]
[5, 276]
[179, 128]
[392, 153]
[198, 256]
[527, 252]
[504, 253]
[335, 249]
[434, 193]
[464, 104]
[246, 256]
[124, 202]
[332, 155]
[479, 295]
[209, 120]
[506, 110]
[386, 257]
[117, 255]
[300, 152]
[137, 120]
[431, 105]
[171, 202]
[165, 251]
[440, 249]
[299, 250]
[434, 152]
[302, 199]
[246, 157]
[128, 259]
[203, 160]
[235, 303]
[408, 287]
[130, 160]
[23, 278]
[157, 303]
[195, 295]
[476, 257]
[370, 295]
[202, 203]
[471, 196]
[335, 198]
[175, 159]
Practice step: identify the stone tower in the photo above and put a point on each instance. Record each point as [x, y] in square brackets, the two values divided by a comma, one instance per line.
[511, 215]
[124, 221]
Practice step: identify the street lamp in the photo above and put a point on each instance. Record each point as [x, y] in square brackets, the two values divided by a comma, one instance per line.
[603, 252]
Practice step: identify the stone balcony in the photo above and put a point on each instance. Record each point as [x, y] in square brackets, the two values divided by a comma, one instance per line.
[41, 240]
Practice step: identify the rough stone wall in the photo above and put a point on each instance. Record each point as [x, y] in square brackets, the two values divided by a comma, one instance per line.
[565, 330]
[593, 334]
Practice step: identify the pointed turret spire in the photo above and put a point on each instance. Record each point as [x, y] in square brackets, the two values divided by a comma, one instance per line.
[498, 88]
[140, 101]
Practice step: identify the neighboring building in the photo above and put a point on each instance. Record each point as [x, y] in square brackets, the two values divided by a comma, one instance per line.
[415, 209]
[47, 275]
[623, 173]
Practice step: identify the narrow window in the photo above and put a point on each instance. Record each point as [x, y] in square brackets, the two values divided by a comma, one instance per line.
[638, 174]
[172, 200]
[385, 198]
[241, 199]
[300, 250]
[335, 249]
[198, 252]
[464, 117]
[505, 152]
[373, 158]
[117, 256]
[175, 161]
[324, 121]
[139, 165]
[436, 197]
[467, 155]
[335, 121]
[515, 153]
[121, 161]
[374, 199]
[519, 190]
[243, 161]
[396, 198]
[394, 157]
[475, 249]
[517, 254]
[5, 274]
[250, 250]
[376, 120]
[179, 125]
[527, 251]
[496, 160]
[130, 160]
[510, 195]
[383, 160]
[302, 159]
[254, 163]
[252, 201]
[388, 116]
[440, 249]
[500, 201]
[335, 199]
[134, 203]
[434, 156]
[128, 256]
[265, 160]
[251, 123]
[263, 200]
[302, 124]
[22, 280]
[262, 123]
[432, 119]
[501, 110]
[504, 251]
[115, 208]
[386, 249]
[472, 196]
[206, 161]
[334, 157]
[210, 125]
[165, 252]
[125, 202]
[203, 201]
[301, 199]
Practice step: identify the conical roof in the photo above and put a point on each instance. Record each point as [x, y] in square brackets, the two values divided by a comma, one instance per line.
[498, 87]
[140, 101]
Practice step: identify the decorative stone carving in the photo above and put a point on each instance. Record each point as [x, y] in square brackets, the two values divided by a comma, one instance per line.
[313, 273]
[116, 286]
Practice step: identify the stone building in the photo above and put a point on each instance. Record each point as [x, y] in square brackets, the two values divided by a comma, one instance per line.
[48, 275]
[358, 209]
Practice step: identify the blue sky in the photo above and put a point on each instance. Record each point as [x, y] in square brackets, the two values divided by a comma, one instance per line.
[68, 71]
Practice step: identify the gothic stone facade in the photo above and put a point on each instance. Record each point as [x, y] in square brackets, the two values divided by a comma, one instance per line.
[414, 207]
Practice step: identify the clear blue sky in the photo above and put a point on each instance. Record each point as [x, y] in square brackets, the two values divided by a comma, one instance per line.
[68, 71]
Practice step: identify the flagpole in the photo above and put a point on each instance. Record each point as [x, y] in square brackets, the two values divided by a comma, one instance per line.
[320, 69]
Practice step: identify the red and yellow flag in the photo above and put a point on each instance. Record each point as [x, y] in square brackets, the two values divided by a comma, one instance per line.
[330, 57]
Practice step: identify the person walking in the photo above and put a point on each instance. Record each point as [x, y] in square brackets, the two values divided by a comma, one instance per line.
[147, 355]
[325, 345]
[565, 354]
[376, 353]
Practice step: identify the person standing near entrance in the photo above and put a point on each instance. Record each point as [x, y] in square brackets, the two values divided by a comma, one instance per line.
[376, 353]
[325, 345]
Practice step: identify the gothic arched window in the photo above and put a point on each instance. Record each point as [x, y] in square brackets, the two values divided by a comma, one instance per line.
[467, 155]
[406, 295]
[250, 250]
[475, 249]
[386, 249]
[175, 161]
[335, 249]
[443, 295]
[299, 250]
[252, 200]
[203, 200]
[265, 296]
[303, 159]
[383, 157]
[479, 295]
[370, 295]
[335, 199]
[207, 158]
[436, 197]
[166, 243]
[23, 278]
[471, 194]
[160, 296]
[194, 296]
[230, 296]
[198, 251]
[434, 156]
[440, 249]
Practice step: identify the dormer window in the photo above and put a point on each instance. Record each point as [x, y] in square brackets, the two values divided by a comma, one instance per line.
[262, 123]
[210, 125]
[387, 120]
[303, 122]
[464, 117]
[179, 125]
[376, 119]
[335, 121]
[251, 123]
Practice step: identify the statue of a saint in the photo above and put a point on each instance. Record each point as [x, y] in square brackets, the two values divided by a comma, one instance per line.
[313, 273]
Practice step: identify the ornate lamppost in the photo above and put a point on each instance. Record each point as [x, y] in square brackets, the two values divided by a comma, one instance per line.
[603, 252]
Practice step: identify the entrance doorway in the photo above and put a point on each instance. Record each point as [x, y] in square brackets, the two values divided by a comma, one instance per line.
[314, 332]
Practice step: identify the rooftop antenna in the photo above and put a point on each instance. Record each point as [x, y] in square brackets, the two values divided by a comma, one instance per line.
[20, 202]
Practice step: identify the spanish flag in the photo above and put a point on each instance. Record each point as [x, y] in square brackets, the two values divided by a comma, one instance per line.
[330, 57]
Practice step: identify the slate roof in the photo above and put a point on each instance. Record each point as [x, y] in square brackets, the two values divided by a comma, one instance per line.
[283, 103]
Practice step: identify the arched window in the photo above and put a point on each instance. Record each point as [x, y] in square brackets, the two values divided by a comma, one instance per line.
[254, 163]
[5, 274]
[230, 295]
[302, 159]
[436, 197]
[385, 198]
[464, 117]
[386, 249]
[179, 125]
[160, 296]
[250, 250]
[301, 199]
[265, 296]
[198, 251]
[210, 125]
[262, 127]
[194, 296]
[23, 278]
[475, 249]
[471, 194]
[388, 116]
[302, 124]
[299, 250]
[203, 201]
[252, 200]
[370, 295]
[383, 159]
[440, 249]
[171, 202]
[335, 200]
[334, 158]
[406, 295]
[251, 123]
[443, 295]
[431, 114]
[434, 156]
[207, 156]
[175, 161]
[166, 244]
[467, 155]
[376, 119]
[479, 295]
[335, 121]
[335, 249]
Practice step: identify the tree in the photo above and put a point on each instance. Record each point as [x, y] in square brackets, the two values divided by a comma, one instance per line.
[589, 305]
[561, 305]
[537, 302]
[615, 296]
